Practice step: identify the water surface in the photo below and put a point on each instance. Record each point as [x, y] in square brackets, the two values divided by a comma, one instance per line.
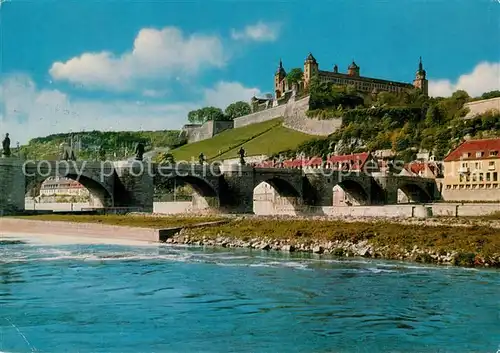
[157, 298]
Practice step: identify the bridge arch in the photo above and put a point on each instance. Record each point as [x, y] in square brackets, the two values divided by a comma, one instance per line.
[38, 192]
[350, 193]
[203, 195]
[412, 193]
[275, 195]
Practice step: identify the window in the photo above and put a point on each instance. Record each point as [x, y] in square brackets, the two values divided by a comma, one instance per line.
[461, 178]
[467, 178]
[491, 164]
[477, 165]
[481, 177]
[474, 178]
[495, 176]
[479, 154]
[488, 176]
[493, 153]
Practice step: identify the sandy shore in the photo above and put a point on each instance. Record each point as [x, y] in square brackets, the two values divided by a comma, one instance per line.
[71, 233]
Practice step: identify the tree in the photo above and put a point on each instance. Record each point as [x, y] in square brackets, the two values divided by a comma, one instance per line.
[294, 76]
[491, 94]
[237, 109]
[205, 114]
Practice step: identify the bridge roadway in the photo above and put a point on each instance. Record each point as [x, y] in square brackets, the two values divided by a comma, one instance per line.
[228, 188]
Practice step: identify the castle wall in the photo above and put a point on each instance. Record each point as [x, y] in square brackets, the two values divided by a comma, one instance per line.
[296, 119]
[219, 126]
[261, 116]
[208, 130]
[482, 106]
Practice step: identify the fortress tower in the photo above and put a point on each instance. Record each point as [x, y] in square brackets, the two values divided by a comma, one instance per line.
[420, 80]
[310, 69]
[279, 80]
[353, 70]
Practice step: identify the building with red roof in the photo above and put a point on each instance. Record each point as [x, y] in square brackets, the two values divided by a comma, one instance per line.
[471, 171]
[422, 169]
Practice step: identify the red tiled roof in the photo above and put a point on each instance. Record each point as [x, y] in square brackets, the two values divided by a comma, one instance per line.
[358, 159]
[472, 146]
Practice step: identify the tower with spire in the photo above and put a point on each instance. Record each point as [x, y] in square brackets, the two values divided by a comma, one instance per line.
[310, 69]
[420, 80]
[279, 80]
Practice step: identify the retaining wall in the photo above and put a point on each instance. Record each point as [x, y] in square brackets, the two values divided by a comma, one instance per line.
[482, 106]
[471, 195]
[464, 210]
[296, 119]
[258, 117]
[56, 206]
[172, 207]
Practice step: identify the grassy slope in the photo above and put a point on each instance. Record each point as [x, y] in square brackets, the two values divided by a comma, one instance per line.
[224, 141]
[262, 138]
[276, 140]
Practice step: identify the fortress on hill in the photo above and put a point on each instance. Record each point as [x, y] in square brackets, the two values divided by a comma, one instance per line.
[352, 77]
[290, 100]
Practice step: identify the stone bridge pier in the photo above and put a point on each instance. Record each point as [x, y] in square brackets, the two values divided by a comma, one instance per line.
[134, 184]
[238, 183]
[416, 189]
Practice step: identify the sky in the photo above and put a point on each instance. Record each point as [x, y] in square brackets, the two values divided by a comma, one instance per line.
[73, 65]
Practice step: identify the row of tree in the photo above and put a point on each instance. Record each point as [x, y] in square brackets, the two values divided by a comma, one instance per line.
[406, 123]
[236, 109]
[232, 111]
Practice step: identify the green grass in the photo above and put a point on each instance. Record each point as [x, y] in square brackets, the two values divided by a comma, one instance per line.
[224, 141]
[276, 140]
[267, 137]
[140, 221]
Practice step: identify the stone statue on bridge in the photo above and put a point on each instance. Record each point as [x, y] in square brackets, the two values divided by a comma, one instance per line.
[241, 152]
[201, 158]
[139, 151]
[6, 145]
[68, 154]
[102, 153]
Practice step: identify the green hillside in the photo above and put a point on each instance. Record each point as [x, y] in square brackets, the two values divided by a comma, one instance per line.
[117, 144]
[268, 137]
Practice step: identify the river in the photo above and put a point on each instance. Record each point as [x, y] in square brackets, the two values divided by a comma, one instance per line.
[68, 297]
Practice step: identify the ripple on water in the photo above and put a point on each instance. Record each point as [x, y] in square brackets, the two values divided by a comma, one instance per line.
[122, 299]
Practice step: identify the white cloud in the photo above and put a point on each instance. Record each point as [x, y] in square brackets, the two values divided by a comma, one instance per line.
[225, 93]
[153, 93]
[156, 54]
[27, 112]
[483, 78]
[260, 32]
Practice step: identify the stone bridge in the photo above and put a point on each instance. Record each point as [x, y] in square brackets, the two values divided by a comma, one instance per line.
[226, 188]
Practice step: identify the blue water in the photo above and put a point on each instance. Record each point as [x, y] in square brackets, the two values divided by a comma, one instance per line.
[109, 298]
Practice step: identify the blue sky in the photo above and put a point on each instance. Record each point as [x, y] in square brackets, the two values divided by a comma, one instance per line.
[73, 65]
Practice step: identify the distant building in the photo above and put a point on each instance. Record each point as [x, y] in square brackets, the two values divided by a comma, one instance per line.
[471, 171]
[58, 186]
[351, 78]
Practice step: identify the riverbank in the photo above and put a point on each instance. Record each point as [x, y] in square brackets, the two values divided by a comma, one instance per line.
[461, 242]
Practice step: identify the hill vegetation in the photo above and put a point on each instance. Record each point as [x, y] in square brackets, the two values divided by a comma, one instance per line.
[404, 123]
[268, 137]
[116, 145]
